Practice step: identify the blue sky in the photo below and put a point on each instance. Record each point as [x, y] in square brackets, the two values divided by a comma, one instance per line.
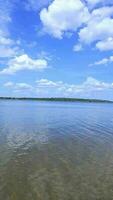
[56, 48]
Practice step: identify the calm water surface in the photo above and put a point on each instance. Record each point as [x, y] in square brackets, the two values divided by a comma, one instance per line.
[56, 151]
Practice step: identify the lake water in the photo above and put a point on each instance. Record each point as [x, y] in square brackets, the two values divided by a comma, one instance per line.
[56, 151]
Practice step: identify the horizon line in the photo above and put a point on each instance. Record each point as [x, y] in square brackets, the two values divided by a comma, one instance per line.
[57, 99]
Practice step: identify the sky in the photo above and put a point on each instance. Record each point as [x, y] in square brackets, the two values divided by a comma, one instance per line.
[56, 48]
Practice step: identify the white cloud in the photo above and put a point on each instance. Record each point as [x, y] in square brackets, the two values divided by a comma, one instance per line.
[49, 88]
[92, 23]
[5, 40]
[105, 45]
[24, 62]
[7, 51]
[104, 61]
[64, 16]
[91, 84]
[8, 47]
[98, 27]
[18, 86]
[23, 86]
[48, 83]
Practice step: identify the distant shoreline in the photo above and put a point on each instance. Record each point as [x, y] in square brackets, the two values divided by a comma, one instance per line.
[58, 99]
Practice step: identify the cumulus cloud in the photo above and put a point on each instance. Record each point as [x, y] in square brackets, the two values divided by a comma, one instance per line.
[91, 84]
[93, 25]
[94, 84]
[98, 27]
[24, 62]
[45, 87]
[64, 16]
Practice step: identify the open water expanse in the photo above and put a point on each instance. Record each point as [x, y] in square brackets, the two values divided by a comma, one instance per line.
[56, 150]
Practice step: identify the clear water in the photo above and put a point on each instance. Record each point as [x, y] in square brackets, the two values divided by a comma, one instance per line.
[56, 151]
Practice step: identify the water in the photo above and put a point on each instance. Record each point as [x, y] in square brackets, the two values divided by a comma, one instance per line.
[56, 151]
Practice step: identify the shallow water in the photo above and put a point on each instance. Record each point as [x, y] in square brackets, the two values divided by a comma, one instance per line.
[56, 151]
